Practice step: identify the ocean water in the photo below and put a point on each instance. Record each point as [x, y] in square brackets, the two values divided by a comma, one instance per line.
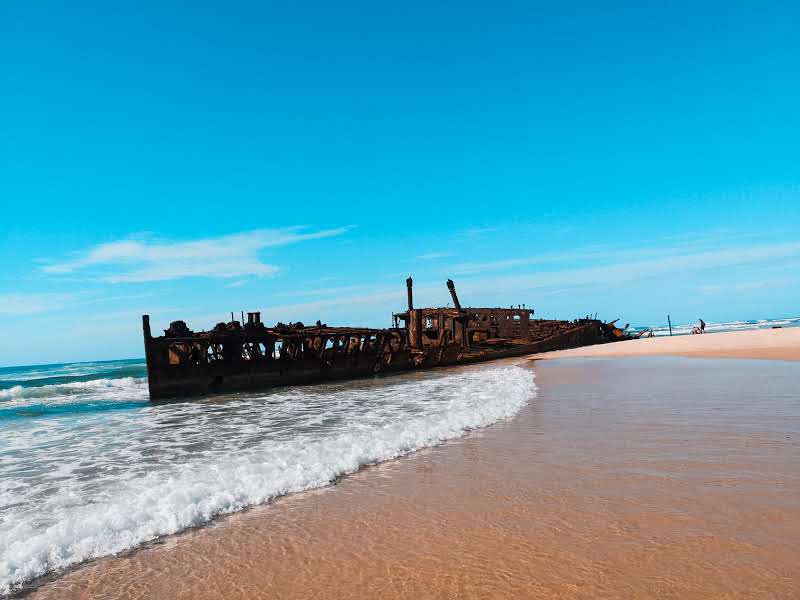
[91, 468]
[716, 327]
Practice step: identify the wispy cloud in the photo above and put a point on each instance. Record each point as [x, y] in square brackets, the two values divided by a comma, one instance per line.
[40, 303]
[585, 254]
[741, 287]
[563, 280]
[475, 232]
[433, 255]
[351, 303]
[470, 268]
[236, 284]
[32, 304]
[229, 256]
[637, 270]
[393, 295]
[679, 253]
[322, 291]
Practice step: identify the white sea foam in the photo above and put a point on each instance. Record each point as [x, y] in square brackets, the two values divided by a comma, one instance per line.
[32, 373]
[124, 388]
[80, 487]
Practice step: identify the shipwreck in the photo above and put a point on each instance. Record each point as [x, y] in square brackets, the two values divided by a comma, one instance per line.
[240, 355]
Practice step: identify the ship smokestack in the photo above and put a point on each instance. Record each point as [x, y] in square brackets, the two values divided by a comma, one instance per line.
[452, 287]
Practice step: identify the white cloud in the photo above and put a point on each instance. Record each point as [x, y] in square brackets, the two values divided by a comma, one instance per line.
[658, 258]
[556, 282]
[746, 286]
[229, 256]
[644, 269]
[496, 265]
[236, 284]
[433, 255]
[352, 304]
[475, 232]
[600, 252]
[32, 304]
[390, 295]
[322, 291]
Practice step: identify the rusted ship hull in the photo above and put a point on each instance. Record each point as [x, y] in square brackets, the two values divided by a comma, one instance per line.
[248, 356]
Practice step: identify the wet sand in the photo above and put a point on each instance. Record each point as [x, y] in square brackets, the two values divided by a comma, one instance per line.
[772, 344]
[648, 478]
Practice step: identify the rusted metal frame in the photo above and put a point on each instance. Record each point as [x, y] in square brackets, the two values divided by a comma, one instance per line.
[444, 334]
[379, 362]
[238, 349]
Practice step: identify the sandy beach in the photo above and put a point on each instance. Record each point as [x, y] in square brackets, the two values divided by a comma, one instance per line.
[772, 344]
[664, 477]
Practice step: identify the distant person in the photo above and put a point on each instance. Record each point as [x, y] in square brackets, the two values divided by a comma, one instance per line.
[702, 326]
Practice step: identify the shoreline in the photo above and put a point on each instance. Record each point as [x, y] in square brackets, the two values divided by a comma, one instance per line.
[765, 344]
[285, 458]
[557, 501]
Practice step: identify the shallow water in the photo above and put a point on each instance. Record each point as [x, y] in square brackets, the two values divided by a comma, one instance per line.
[91, 468]
[632, 478]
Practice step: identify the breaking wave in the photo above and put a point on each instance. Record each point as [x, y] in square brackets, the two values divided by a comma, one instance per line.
[43, 375]
[94, 395]
[93, 484]
[71, 388]
[105, 388]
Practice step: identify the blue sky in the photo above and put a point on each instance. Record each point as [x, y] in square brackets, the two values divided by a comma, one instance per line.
[189, 159]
